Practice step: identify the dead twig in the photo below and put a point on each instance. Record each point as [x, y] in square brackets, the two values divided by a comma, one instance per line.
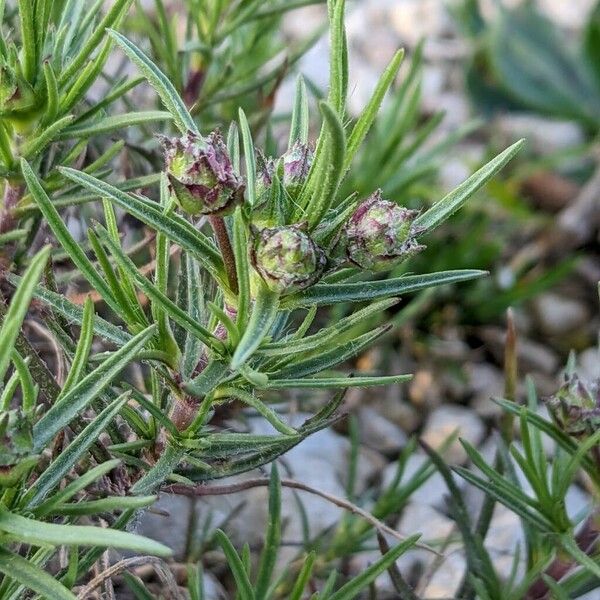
[202, 490]
[127, 564]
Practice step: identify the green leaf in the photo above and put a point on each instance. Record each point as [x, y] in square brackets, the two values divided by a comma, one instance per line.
[357, 584]
[115, 123]
[84, 345]
[93, 40]
[327, 173]
[174, 227]
[37, 533]
[448, 205]
[51, 93]
[250, 157]
[366, 119]
[571, 547]
[159, 82]
[108, 505]
[244, 587]
[74, 313]
[36, 144]
[75, 486]
[337, 382]
[61, 413]
[535, 63]
[19, 306]
[67, 459]
[324, 294]
[76, 253]
[269, 414]
[259, 325]
[27, 574]
[303, 577]
[300, 117]
[327, 360]
[177, 314]
[338, 59]
[268, 557]
[28, 39]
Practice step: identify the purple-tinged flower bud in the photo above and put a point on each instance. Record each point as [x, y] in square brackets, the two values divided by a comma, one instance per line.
[297, 162]
[287, 259]
[201, 174]
[576, 407]
[380, 234]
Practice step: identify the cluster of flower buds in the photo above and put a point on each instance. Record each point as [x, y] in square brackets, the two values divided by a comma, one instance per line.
[16, 445]
[576, 407]
[201, 174]
[378, 235]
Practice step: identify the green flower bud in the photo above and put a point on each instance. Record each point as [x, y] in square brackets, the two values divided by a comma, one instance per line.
[201, 174]
[297, 162]
[380, 234]
[287, 259]
[576, 407]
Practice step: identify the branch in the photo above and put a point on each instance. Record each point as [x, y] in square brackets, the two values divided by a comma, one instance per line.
[202, 490]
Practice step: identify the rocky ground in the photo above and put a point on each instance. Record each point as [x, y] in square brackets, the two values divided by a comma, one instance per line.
[455, 377]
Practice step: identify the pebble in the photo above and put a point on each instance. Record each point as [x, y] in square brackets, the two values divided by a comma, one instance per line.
[558, 315]
[378, 433]
[446, 420]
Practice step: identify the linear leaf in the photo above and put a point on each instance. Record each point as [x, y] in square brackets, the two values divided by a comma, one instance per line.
[18, 307]
[27, 574]
[61, 413]
[67, 459]
[159, 81]
[358, 583]
[174, 227]
[37, 533]
[337, 382]
[76, 254]
[115, 122]
[244, 587]
[448, 205]
[364, 291]
[366, 119]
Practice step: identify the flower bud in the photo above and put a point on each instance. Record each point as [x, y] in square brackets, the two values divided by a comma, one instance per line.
[297, 162]
[380, 234]
[576, 407]
[201, 174]
[287, 259]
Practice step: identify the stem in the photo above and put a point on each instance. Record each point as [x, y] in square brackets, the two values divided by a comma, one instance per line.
[222, 235]
[202, 490]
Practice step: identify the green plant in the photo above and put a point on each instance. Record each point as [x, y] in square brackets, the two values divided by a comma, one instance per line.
[522, 61]
[238, 253]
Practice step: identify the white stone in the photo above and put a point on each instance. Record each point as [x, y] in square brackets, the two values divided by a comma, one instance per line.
[446, 420]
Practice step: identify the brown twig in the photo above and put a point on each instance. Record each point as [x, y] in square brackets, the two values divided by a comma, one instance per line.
[162, 571]
[202, 490]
